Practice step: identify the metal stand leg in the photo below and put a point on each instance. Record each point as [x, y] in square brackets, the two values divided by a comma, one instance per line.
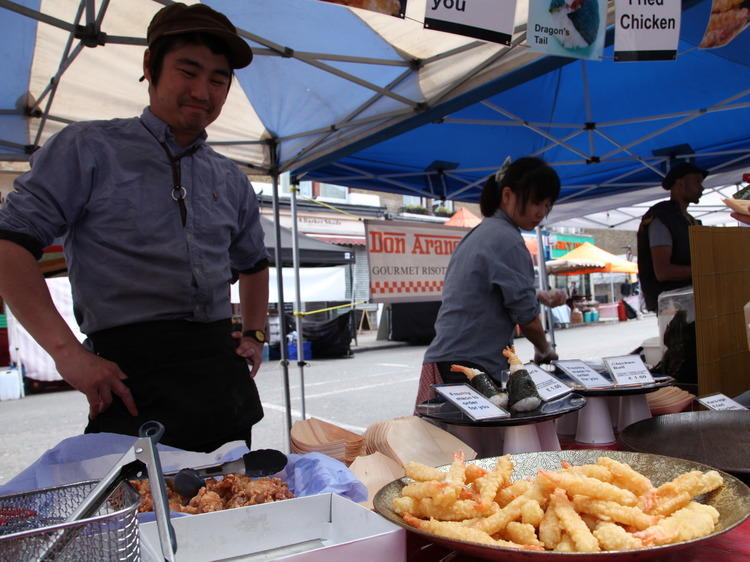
[548, 436]
[521, 439]
[594, 422]
[567, 424]
[632, 409]
[614, 409]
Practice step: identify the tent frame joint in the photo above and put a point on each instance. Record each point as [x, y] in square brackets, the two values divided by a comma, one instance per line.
[590, 126]
[593, 160]
[90, 35]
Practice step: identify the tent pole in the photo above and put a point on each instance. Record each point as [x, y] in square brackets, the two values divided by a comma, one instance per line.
[544, 283]
[280, 292]
[298, 300]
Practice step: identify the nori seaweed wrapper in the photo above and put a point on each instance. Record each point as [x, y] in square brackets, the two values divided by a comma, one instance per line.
[483, 384]
[586, 20]
[521, 386]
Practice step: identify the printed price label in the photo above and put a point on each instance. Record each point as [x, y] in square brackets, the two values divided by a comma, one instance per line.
[720, 401]
[548, 386]
[470, 402]
[628, 370]
[582, 373]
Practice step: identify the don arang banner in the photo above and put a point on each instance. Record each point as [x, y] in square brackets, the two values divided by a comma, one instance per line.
[408, 260]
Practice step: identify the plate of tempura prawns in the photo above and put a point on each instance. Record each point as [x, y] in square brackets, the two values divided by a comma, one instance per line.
[572, 504]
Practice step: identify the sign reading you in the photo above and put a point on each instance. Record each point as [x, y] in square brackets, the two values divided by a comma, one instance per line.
[646, 29]
[491, 20]
[408, 260]
[470, 402]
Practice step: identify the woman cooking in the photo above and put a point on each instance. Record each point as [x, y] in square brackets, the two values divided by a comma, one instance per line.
[489, 284]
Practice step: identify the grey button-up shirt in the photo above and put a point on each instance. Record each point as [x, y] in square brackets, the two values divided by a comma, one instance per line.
[106, 187]
[489, 288]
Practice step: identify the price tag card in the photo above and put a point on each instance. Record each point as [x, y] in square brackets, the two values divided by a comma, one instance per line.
[628, 370]
[720, 401]
[548, 386]
[470, 402]
[582, 373]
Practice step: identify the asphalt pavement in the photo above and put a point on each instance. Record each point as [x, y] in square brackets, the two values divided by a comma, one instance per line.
[379, 382]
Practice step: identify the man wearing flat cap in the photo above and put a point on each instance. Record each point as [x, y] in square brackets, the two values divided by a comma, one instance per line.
[156, 225]
[663, 239]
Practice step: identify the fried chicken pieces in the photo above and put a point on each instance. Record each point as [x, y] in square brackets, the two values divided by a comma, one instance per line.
[233, 490]
[605, 506]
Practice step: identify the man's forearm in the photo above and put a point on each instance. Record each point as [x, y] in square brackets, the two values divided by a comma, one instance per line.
[534, 332]
[24, 290]
[254, 300]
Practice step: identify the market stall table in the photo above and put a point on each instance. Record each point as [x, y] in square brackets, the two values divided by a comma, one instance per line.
[718, 438]
[594, 423]
[519, 433]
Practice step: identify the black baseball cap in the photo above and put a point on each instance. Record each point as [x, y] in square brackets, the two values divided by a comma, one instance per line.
[681, 170]
[179, 18]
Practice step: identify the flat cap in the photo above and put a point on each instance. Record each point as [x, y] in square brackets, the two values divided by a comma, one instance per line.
[178, 18]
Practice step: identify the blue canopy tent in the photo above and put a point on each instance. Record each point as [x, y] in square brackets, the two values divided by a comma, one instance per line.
[610, 129]
[323, 76]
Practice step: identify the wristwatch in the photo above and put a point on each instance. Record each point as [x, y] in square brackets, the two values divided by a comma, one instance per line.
[257, 335]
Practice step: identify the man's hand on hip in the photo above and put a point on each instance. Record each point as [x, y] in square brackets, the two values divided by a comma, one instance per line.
[99, 379]
[251, 350]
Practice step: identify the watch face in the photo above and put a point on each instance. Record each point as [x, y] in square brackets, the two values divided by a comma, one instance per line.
[260, 336]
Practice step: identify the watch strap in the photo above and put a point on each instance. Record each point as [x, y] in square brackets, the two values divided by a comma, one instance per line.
[257, 335]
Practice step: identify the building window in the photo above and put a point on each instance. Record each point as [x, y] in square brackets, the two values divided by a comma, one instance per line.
[332, 192]
[305, 187]
[414, 201]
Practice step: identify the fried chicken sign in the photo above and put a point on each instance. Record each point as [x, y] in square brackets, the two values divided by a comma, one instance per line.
[390, 7]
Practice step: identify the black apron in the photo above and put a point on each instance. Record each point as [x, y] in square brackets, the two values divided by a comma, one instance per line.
[185, 375]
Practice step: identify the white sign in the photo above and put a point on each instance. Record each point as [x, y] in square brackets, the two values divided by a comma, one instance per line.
[582, 373]
[408, 260]
[646, 30]
[567, 29]
[628, 369]
[548, 386]
[491, 20]
[720, 401]
[470, 402]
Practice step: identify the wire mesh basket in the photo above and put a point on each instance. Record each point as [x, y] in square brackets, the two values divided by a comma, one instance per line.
[32, 525]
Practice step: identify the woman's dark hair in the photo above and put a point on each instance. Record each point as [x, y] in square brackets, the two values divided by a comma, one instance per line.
[169, 43]
[531, 179]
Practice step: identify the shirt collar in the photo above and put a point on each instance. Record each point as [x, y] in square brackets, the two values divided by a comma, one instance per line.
[500, 215]
[162, 132]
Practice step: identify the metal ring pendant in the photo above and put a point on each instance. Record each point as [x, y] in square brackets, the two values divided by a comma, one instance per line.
[178, 192]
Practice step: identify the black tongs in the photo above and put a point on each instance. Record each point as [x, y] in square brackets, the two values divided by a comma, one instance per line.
[262, 462]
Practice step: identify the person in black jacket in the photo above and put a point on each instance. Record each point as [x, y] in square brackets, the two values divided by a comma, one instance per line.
[663, 239]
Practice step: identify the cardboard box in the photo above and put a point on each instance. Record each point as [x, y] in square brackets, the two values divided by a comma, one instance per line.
[721, 283]
[325, 527]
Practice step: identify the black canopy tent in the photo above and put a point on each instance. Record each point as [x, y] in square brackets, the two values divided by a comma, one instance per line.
[312, 252]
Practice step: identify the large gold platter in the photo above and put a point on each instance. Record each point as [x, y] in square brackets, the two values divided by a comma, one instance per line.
[732, 501]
